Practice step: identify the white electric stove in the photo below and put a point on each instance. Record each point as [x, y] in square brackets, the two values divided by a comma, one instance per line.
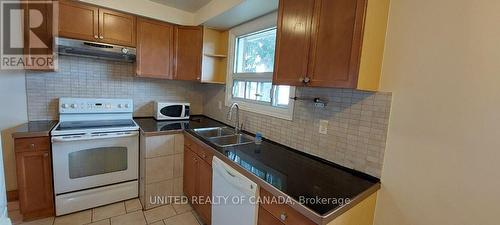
[95, 153]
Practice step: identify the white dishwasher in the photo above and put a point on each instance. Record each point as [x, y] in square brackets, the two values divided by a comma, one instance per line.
[234, 196]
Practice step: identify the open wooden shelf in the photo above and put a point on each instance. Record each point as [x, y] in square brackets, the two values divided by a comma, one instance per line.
[215, 55]
[214, 67]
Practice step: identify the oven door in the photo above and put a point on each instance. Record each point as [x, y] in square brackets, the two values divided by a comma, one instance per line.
[94, 160]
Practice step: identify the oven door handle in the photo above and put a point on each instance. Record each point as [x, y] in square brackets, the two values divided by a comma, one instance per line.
[94, 136]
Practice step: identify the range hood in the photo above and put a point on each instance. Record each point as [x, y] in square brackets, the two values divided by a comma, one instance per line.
[66, 46]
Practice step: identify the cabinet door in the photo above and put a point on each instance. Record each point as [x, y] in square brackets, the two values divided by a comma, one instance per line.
[336, 43]
[116, 28]
[293, 41]
[265, 218]
[34, 175]
[78, 21]
[155, 47]
[188, 50]
[43, 33]
[190, 167]
[204, 189]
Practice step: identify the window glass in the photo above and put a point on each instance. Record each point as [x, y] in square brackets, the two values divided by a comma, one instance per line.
[255, 52]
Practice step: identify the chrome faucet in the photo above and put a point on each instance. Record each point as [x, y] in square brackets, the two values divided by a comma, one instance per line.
[229, 116]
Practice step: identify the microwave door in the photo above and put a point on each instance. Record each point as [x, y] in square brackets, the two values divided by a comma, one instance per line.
[172, 111]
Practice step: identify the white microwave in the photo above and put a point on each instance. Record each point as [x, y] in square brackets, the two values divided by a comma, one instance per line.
[171, 111]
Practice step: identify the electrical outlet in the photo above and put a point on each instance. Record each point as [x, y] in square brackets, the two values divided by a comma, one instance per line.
[323, 126]
[220, 105]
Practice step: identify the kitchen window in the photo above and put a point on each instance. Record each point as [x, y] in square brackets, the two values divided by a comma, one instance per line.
[251, 64]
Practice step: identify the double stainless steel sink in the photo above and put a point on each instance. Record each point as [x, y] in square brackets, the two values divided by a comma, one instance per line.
[224, 136]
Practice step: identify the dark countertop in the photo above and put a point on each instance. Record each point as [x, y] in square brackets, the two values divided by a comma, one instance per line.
[34, 129]
[294, 173]
[151, 127]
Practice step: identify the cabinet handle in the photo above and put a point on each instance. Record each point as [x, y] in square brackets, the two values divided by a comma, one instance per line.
[307, 80]
[96, 37]
[283, 216]
[203, 155]
[301, 80]
[32, 146]
[46, 154]
[198, 78]
[101, 37]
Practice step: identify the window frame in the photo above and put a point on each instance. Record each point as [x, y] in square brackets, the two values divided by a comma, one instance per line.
[259, 24]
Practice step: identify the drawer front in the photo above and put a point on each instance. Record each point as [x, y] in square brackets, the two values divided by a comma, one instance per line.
[189, 142]
[203, 152]
[206, 154]
[265, 218]
[282, 212]
[32, 144]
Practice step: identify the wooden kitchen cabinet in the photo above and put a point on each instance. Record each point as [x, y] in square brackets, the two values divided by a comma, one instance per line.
[293, 41]
[204, 189]
[282, 212]
[155, 49]
[198, 178]
[265, 218]
[43, 32]
[86, 22]
[330, 43]
[78, 21]
[190, 169]
[116, 27]
[188, 52]
[34, 177]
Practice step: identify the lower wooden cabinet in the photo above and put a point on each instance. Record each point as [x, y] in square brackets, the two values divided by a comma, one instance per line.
[282, 212]
[265, 218]
[34, 177]
[198, 178]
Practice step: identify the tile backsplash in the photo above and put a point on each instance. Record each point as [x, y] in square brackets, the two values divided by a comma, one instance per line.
[357, 127]
[94, 78]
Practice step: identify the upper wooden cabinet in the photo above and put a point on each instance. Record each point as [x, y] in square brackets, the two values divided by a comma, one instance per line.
[188, 51]
[116, 28]
[85, 22]
[43, 33]
[327, 43]
[155, 49]
[293, 41]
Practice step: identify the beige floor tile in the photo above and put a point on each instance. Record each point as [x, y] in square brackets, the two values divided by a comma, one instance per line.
[135, 218]
[15, 217]
[182, 219]
[108, 211]
[12, 206]
[159, 213]
[102, 222]
[78, 218]
[133, 205]
[158, 223]
[45, 221]
[182, 208]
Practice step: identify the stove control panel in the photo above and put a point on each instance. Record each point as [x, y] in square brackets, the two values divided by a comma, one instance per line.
[95, 105]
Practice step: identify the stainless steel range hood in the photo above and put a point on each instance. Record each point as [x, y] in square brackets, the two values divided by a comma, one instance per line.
[66, 46]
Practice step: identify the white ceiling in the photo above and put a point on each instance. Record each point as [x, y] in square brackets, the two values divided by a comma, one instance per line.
[186, 5]
[248, 10]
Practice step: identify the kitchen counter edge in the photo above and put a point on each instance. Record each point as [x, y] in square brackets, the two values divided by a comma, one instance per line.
[31, 129]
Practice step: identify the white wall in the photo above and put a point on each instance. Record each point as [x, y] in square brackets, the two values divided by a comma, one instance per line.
[148, 9]
[442, 63]
[13, 112]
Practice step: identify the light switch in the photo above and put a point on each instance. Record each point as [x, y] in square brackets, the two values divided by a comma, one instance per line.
[323, 126]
